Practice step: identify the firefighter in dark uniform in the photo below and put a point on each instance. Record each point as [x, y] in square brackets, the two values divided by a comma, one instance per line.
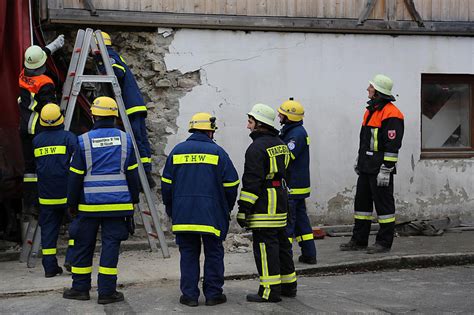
[53, 148]
[199, 187]
[293, 133]
[263, 206]
[103, 186]
[36, 90]
[380, 140]
[134, 105]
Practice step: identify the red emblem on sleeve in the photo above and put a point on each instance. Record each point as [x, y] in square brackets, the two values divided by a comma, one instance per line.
[392, 134]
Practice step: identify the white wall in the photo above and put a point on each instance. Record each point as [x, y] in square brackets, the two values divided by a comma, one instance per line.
[328, 74]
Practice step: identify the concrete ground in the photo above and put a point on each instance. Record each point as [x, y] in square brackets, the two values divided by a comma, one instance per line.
[141, 267]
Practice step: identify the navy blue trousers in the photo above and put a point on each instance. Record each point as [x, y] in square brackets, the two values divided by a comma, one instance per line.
[84, 231]
[141, 137]
[190, 250]
[50, 220]
[300, 228]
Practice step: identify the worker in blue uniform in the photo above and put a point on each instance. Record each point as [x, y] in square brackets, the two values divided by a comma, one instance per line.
[103, 188]
[53, 148]
[199, 187]
[293, 133]
[134, 104]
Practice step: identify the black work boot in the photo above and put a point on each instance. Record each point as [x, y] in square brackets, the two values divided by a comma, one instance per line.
[67, 266]
[217, 300]
[258, 299]
[188, 301]
[112, 298]
[55, 273]
[288, 292]
[377, 249]
[73, 294]
[307, 260]
[352, 246]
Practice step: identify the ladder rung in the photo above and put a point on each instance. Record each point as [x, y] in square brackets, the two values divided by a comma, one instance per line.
[153, 234]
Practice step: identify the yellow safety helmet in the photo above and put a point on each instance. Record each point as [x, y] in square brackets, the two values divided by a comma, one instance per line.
[51, 115]
[292, 109]
[263, 113]
[202, 121]
[383, 84]
[104, 106]
[35, 57]
[106, 37]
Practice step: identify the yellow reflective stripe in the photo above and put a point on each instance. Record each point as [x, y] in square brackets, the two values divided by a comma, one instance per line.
[132, 167]
[196, 158]
[123, 60]
[376, 140]
[292, 156]
[71, 242]
[264, 262]
[30, 179]
[232, 184]
[49, 150]
[290, 239]
[300, 191]
[49, 251]
[145, 159]
[166, 180]
[305, 237]
[270, 280]
[272, 201]
[106, 207]
[119, 66]
[287, 159]
[390, 159]
[266, 216]
[264, 224]
[33, 124]
[81, 270]
[75, 170]
[308, 141]
[195, 228]
[288, 278]
[135, 109]
[386, 220]
[44, 201]
[247, 196]
[241, 215]
[363, 217]
[108, 271]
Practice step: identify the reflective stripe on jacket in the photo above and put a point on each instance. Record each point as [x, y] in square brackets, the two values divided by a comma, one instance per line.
[35, 92]
[263, 199]
[381, 136]
[103, 178]
[53, 148]
[199, 187]
[297, 140]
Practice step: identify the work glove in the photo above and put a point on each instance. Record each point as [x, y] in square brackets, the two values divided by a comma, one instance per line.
[242, 216]
[383, 178]
[356, 169]
[56, 44]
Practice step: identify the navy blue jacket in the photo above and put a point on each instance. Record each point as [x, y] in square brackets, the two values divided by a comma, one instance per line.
[53, 148]
[107, 185]
[132, 97]
[199, 187]
[296, 137]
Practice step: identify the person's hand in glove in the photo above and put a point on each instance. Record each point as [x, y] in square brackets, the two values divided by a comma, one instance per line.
[383, 178]
[242, 217]
[56, 44]
[356, 169]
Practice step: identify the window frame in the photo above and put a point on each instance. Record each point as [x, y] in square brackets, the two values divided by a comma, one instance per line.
[448, 153]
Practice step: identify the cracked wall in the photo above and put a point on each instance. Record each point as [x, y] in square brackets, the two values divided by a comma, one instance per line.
[329, 74]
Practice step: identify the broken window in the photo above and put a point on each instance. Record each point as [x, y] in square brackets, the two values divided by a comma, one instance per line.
[446, 116]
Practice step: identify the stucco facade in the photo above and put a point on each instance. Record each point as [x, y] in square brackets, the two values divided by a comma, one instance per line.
[328, 74]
